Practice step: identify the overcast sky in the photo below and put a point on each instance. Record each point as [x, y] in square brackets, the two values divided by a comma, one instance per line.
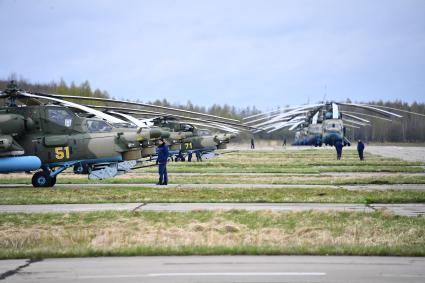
[263, 53]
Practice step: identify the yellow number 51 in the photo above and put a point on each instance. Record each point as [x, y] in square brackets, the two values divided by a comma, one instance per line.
[62, 152]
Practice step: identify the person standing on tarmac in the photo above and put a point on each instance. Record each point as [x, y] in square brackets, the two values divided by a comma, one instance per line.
[198, 156]
[338, 147]
[360, 149]
[162, 160]
[252, 143]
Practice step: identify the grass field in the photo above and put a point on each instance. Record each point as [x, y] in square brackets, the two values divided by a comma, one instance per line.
[224, 232]
[309, 161]
[211, 178]
[207, 232]
[261, 195]
[293, 163]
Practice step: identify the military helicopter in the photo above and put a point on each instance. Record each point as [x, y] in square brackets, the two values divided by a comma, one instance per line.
[193, 140]
[56, 135]
[185, 136]
[322, 123]
[47, 132]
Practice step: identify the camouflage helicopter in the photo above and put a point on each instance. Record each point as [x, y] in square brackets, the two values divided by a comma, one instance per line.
[191, 139]
[322, 123]
[185, 136]
[56, 135]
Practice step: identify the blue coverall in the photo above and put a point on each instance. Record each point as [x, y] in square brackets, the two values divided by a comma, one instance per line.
[162, 164]
[360, 149]
[338, 147]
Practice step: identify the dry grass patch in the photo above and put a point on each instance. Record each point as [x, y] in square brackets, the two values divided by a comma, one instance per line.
[202, 232]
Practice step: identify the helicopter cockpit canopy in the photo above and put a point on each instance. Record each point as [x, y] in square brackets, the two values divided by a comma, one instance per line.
[60, 116]
[98, 126]
[335, 126]
[204, 132]
[188, 128]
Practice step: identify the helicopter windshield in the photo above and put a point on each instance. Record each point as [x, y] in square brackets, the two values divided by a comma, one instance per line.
[334, 127]
[187, 128]
[204, 133]
[60, 116]
[98, 126]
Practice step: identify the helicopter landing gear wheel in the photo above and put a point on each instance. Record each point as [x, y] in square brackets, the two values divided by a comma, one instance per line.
[43, 179]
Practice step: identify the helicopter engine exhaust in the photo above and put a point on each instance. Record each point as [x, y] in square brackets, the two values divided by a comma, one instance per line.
[19, 164]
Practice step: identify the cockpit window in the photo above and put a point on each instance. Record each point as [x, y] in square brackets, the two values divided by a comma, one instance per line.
[204, 133]
[328, 115]
[60, 116]
[187, 128]
[97, 126]
[333, 126]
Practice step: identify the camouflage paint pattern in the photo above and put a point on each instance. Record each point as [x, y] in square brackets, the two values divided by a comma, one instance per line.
[41, 131]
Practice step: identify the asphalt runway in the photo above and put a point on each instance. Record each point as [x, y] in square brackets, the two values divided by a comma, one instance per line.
[233, 186]
[408, 153]
[413, 209]
[217, 269]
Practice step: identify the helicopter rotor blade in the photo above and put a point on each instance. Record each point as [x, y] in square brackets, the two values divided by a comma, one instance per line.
[371, 108]
[286, 109]
[295, 125]
[86, 109]
[277, 126]
[401, 110]
[261, 114]
[140, 104]
[351, 126]
[130, 118]
[355, 117]
[295, 111]
[367, 115]
[335, 111]
[315, 118]
[355, 122]
[134, 110]
[213, 126]
[283, 117]
[261, 119]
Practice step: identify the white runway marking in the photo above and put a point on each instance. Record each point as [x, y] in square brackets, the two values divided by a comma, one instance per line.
[204, 274]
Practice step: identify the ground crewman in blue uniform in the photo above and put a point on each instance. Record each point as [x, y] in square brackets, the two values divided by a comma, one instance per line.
[338, 147]
[162, 162]
[360, 149]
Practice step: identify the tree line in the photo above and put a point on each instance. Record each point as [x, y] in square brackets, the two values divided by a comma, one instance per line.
[410, 128]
